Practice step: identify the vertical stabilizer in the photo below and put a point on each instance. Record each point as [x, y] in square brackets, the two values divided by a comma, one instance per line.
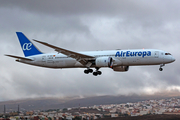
[27, 46]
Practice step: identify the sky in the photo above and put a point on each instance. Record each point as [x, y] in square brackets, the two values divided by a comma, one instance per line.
[84, 26]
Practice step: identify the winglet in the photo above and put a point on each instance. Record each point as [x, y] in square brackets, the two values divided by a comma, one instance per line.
[27, 46]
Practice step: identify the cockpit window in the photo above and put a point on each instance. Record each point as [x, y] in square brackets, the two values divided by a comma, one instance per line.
[167, 53]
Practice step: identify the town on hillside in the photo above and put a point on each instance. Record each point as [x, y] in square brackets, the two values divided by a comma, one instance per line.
[149, 107]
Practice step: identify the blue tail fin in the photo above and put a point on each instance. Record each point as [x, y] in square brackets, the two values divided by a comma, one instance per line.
[27, 46]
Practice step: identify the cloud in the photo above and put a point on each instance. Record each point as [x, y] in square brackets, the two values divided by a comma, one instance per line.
[84, 26]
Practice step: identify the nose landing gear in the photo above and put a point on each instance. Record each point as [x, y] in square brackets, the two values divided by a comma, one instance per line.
[161, 65]
[160, 69]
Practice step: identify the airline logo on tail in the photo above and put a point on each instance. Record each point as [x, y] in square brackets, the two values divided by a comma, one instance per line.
[27, 46]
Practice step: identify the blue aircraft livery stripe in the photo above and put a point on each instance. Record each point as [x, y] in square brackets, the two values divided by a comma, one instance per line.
[134, 53]
[27, 46]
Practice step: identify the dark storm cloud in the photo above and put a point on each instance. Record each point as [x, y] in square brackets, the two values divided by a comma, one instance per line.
[74, 7]
[88, 25]
[130, 10]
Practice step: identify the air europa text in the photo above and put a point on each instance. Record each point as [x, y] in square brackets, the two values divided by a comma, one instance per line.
[134, 53]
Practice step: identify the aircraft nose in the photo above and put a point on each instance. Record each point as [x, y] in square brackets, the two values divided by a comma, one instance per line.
[173, 59]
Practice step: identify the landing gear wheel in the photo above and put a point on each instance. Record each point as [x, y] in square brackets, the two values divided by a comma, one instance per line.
[86, 71]
[160, 69]
[90, 70]
[99, 72]
[95, 73]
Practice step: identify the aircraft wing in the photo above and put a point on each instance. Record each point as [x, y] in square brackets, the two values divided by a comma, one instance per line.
[22, 58]
[83, 59]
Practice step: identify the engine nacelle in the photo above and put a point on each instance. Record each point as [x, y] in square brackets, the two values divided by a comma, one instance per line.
[121, 68]
[104, 62]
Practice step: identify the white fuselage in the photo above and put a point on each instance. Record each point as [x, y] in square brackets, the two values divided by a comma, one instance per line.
[120, 58]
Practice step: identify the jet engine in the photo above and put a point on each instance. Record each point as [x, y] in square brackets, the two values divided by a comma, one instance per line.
[121, 68]
[104, 62]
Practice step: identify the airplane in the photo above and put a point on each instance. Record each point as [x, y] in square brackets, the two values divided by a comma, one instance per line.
[118, 60]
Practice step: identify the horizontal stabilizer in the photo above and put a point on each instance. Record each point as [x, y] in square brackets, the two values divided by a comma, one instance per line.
[22, 58]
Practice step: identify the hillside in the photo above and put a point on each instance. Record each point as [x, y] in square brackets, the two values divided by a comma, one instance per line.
[57, 103]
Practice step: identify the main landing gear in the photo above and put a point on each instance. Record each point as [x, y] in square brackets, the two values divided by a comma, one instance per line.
[161, 65]
[97, 72]
[88, 71]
